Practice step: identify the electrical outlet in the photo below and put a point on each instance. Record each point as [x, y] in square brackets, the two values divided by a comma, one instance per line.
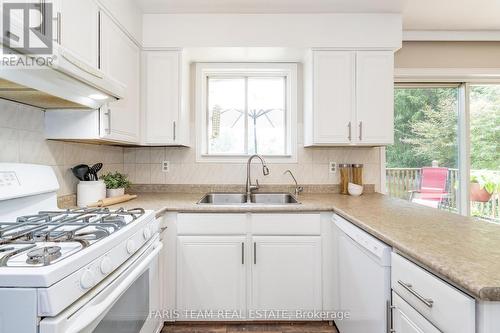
[165, 166]
[332, 167]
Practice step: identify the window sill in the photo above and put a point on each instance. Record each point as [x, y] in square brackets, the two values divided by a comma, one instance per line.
[239, 159]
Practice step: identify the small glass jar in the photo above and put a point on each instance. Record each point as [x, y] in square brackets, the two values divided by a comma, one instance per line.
[357, 174]
[345, 176]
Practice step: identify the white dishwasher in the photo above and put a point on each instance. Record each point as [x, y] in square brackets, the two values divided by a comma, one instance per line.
[364, 278]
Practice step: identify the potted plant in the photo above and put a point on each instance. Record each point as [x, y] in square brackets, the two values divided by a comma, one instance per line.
[116, 183]
[482, 186]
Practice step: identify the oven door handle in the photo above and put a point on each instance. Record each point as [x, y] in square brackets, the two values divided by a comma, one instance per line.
[93, 312]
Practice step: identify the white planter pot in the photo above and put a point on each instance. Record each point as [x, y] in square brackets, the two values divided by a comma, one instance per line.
[90, 192]
[115, 192]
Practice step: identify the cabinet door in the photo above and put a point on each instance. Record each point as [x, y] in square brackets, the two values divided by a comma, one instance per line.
[374, 97]
[120, 59]
[333, 96]
[405, 319]
[286, 273]
[162, 96]
[80, 29]
[211, 273]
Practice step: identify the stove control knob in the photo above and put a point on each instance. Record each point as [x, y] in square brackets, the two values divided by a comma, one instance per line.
[147, 233]
[106, 266]
[87, 280]
[131, 247]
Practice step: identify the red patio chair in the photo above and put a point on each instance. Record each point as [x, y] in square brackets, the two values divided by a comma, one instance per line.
[433, 189]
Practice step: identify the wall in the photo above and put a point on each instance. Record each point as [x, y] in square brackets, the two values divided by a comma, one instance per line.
[22, 141]
[448, 55]
[272, 30]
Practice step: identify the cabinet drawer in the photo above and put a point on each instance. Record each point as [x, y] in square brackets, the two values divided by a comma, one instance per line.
[442, 304]
[407, 319]
[211, 224]
[286, 224]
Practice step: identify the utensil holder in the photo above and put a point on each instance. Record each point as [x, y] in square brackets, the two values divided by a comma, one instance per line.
[88, 192]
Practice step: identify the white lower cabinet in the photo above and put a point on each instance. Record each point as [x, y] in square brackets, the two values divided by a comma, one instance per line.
[246, 276]
[211, 274]
[406, 319]
[447, 308]
[286, 273]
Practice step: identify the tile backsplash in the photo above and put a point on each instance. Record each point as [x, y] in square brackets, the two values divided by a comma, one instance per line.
[22, 141]
[143, 165]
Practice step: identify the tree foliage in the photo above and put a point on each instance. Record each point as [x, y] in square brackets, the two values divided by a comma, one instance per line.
[485, 127]
[426, 127]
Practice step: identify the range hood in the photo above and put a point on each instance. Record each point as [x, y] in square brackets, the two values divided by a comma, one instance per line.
[66, 83]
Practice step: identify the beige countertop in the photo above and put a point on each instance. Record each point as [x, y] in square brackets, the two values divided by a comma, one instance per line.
[461, 250]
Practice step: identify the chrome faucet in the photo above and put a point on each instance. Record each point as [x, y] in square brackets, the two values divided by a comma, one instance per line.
[298, 188]
[265, 170]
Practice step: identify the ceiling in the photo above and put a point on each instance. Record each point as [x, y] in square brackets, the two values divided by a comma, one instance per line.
[417, 14]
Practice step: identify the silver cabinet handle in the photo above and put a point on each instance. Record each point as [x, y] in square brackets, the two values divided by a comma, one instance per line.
[242, 253]
[108, 114]
[255, 253]
[175, 130]
[349, 136]
[360, 130]
[389, 308]
[408, 287]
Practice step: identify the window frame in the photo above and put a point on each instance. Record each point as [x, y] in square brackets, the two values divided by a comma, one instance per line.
[204, 71]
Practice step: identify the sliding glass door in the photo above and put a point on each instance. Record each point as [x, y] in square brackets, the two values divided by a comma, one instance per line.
[423, 164]
[484, 136]
[446, 153]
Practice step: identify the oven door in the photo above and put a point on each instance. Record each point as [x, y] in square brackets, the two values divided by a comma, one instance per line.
[123, 303]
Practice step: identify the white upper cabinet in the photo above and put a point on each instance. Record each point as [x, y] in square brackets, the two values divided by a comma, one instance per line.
[349, 98]
[163, 111]
[333, 96]
[375, 97]
[120, 59]
[77, 31]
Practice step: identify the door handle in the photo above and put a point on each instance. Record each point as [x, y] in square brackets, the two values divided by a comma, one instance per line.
[174, 130]
[108, 114]
[360, 130]
[255, 253]
[242, 253]
[389, 308]
[349, 136]
[408, 287]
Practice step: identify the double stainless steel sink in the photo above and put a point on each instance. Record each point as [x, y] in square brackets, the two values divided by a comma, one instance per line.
[220, 198]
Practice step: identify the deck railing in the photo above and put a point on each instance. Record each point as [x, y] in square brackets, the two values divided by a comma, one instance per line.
[401, 181]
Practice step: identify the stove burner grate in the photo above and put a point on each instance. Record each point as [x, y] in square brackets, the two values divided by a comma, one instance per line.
[43, 255]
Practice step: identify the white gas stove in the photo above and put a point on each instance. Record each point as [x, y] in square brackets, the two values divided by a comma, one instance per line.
[82, 270]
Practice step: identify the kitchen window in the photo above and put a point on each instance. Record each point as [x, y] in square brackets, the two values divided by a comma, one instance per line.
[246, 109]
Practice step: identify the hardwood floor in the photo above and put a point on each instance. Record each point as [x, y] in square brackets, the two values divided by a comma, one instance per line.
[310, 327]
